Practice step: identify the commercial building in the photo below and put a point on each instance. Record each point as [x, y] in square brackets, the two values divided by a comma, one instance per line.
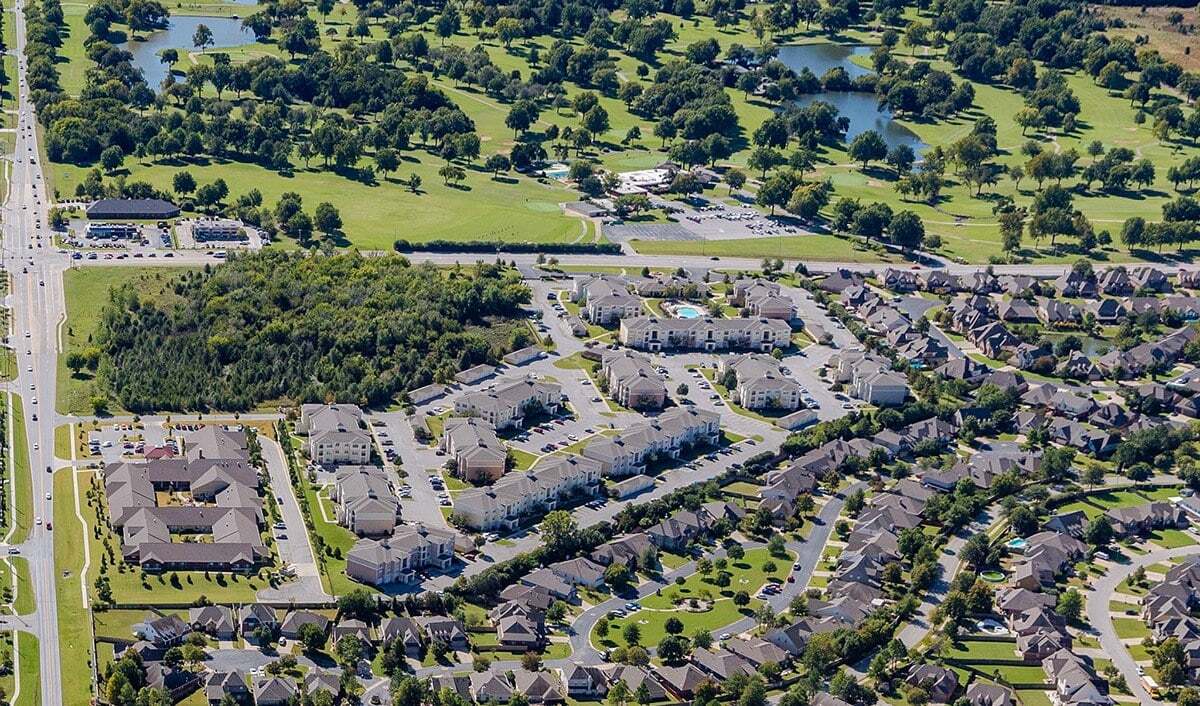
[142, 209]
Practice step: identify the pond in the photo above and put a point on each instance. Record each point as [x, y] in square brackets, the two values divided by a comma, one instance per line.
[227, 32]
[862, 109]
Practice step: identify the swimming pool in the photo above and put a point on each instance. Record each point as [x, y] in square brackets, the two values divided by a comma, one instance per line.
[1017, 544]
[688, 312]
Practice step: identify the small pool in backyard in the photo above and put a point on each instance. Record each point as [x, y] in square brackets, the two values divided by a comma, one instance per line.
[992, 576]
[1017, 545]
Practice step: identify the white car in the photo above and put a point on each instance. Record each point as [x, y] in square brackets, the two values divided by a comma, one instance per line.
[47, 496]
[38, 521]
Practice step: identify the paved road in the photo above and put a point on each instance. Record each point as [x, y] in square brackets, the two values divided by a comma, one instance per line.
[1100, 595]
[295, 550]
[37, 305]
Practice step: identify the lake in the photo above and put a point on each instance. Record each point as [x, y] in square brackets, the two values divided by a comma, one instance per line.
[227, 32]
[861, 108]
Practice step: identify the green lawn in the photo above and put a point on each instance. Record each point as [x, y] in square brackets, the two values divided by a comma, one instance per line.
[1172, 538]
[1130, 628]
[522, 460]
[86, 290]
[23, 484]
[334, 537]
[745, 575]
[74, 640]
[24, 602]
[31, 690]
[1033, 697]
[970, 650]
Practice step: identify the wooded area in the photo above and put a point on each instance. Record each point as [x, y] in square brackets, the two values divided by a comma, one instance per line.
[288, 327]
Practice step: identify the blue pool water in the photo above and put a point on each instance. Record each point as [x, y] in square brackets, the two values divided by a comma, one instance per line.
[1017, 544]
[688, 312]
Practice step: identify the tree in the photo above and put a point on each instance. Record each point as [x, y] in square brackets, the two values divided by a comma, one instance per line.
[559, 532]
[183, 183]
[1099, 531]
[867, 147]
[1012, 225]
[673, 626]
[327, 219]
[631, 633]
[75, 362]
[977, 551]
[414, 183]
[531, 661]
[508, 29]
[672, 649]
[387, 160]
[311, 637]
[735, 179]
[452, 173]
[906, 230]
[497, 163]
[202, 38]
[111, 158]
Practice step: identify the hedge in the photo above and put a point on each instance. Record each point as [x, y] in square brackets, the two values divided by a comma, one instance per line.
[498, 246]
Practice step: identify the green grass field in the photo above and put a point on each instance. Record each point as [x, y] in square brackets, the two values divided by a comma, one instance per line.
[74, 640]
[22, 484]
[31, 692]
[1130, 628]
[522, 209]
[745, 575]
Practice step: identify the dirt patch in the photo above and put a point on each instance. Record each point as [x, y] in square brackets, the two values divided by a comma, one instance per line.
[1153, 23]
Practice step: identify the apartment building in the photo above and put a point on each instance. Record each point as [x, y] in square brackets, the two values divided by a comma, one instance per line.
[518, 495]
[761, 383]
[633, 381]
[705, 334]
[665, 437]
[507, 403]
[335, 434]
[365, 501]
[477, 452]
[399, 558]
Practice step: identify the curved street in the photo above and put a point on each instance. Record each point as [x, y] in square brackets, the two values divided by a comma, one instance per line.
[1100, 595]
